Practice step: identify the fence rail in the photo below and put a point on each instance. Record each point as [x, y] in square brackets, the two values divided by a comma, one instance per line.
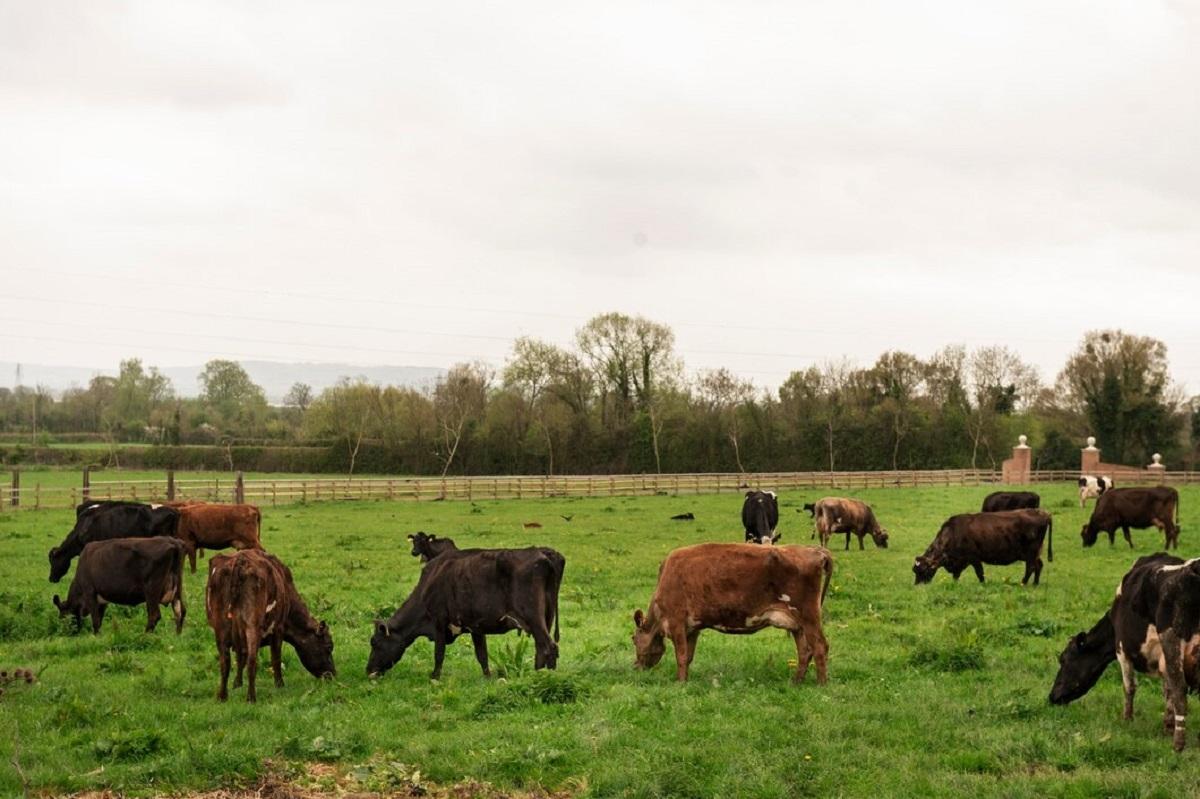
[285, 491]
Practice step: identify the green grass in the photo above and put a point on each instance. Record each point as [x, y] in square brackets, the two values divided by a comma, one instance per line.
[936, 690]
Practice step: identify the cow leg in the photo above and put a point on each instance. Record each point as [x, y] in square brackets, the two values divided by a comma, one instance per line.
[153, 614]
[191, 553]
[1128, 538]
[481, 653]
[277, 659]
[180, 611]
[1128, 682]
[223, 657]
[679, 640]
[978, 567]
[692, 637]
[1112, 536]
[847, 540]
[546, 650]
[241, 668]
[803, 655]
[818, 646]
[98, 615]
[1176, 683]
[860, 541]
[252, 644]
[439, 654]
[1037, 571]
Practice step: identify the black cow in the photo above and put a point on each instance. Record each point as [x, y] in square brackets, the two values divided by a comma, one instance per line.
[1011, 500]
[1153, 627]
[1134, 507]
[427, 546]
[811, 509]
[760, 517]
[481, 592]
[998, 539]
[101, 521]
[127, 571]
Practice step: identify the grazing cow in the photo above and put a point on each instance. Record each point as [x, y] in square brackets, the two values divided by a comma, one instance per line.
[127, 571]
[1153, 627]
[811, 508]
[478, 591]
[251, 598]
[997, 539]
[683, 517]
[840, 515]
[1011, 500]
[760, 517]
[205, 526]
[1091, 486]
[1134, 507]
[736, 588]
[104, 520]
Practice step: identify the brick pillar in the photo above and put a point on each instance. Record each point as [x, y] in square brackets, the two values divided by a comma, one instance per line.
[1017, 468]
[1089, 457]
[1157, 469]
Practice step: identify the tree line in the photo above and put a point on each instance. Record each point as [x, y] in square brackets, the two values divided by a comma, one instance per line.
[620, 400]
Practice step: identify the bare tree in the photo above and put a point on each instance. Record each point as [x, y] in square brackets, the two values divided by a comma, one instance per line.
[458, 399]
[726, 394]
[999, 383]
[346, 411]
[531, 371]
[835, 380]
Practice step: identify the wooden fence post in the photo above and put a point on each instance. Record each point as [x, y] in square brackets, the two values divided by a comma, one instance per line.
[170, 485]
[87, 482]
[239, 489]
[16, 489]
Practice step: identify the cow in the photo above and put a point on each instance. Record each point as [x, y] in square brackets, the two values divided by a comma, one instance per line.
[840, 515]
[104, 520]
[739, 589]
[1011, 500]
[205, 526]
[1134, 507]
[127, 571]
[810, 508]
[997, 539]
[477, 591]
[1091, 486]
[1152, 627]
[427, 546]
[250, 599]
[760, 517]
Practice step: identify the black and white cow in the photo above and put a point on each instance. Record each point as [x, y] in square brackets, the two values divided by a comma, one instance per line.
[1091, 486]
[760, 517]
[1153, 627]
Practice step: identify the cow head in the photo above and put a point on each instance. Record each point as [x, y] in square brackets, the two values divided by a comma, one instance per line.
[924, 567]
[760, 505]
[314, 645]
[387, 647]
[1089, 534]
[648, 643]
[60, 564]
[1083, 661]
[880, 538]
[420, 545]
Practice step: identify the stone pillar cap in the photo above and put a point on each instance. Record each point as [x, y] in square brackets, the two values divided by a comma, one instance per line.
[1021, 442]
[1091, 442]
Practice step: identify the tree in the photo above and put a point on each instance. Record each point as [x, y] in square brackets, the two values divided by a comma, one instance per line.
[300, 395]
[235, 401]
[897, 377]
[725, 394]
[1122, 385]
[459, 399]
[1000, 383]
[532, 371]
[345, 411]
[629, 354]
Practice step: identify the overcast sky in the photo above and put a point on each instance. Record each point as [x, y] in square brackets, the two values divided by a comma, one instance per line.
[418, 183]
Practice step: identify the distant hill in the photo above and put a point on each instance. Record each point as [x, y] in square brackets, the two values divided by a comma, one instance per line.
[275, 378]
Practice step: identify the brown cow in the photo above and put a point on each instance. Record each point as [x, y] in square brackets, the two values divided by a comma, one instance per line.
[736, 588]
[250, 598]
[1134, 507]
[217, 527]
[997, 539]
[841, 515]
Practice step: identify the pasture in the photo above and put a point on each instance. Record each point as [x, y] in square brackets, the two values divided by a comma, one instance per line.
[936, 690]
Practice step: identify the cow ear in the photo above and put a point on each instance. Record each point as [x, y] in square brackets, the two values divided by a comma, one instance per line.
[54, 552]
[410, 537]
[748, 493]
[381, 628]
[323, 627]
[638, 618]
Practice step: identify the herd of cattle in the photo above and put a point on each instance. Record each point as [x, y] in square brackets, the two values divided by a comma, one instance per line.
[131, 553]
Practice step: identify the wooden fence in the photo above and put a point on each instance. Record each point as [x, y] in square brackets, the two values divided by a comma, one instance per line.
[285, 491]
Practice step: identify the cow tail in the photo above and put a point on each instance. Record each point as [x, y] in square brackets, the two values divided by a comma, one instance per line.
[827, 565]
[1050, 540]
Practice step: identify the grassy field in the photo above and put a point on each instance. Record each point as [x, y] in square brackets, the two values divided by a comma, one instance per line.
[937, 690]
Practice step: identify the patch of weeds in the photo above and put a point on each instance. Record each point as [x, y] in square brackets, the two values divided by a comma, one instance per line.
[477, 510]
[347, 541]
[513, 659]
[1039, 628]
[320, 748]
[352, 566]
[1114, 753]
[388, 777]
[120, 662]
[964, 654]
[551, 688]
[974, 762]
[133, 745]
[128, 637]
[608, 509]
[616, 550]
[73, 713]
[1065, 503]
